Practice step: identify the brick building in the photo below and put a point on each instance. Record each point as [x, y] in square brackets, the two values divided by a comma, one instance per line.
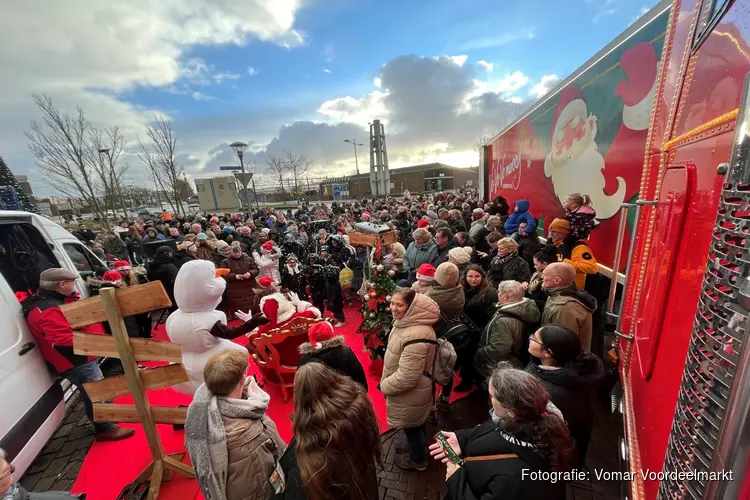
[427, 178]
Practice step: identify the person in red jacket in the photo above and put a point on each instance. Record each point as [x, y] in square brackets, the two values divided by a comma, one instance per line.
[54, 337]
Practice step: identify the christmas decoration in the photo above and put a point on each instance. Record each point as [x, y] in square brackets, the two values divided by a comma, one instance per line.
[7, 179]
[391, 273]
[376, 314]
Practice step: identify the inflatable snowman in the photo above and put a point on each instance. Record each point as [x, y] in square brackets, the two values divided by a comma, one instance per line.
[197, 326]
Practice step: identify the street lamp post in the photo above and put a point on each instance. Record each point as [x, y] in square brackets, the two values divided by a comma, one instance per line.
[105, 152]
[355, 144]
[240, 147]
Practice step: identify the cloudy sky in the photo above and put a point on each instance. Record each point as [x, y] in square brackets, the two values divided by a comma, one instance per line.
[294, 75]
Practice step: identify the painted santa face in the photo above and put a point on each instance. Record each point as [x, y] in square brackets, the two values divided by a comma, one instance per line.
[473, 278]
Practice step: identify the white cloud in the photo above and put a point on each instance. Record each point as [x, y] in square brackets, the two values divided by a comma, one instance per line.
[604, 13]
[546, 84]
[357, 111]
[459, 60]
[94, 51]
[221, 77]
[326, 70]
[497, 41]
[329, 52]
[487, 66]
[377, 82]
[252, 71]
[200, 96]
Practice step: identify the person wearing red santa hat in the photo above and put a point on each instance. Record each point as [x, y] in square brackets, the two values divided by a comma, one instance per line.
[423, 224]
[281, 308]
[129, 276]
[328, 348]
[425, 279]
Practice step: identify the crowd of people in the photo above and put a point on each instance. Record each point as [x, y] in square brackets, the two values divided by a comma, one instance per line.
[470, 274]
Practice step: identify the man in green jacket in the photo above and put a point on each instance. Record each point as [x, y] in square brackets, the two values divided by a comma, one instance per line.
[502, 338]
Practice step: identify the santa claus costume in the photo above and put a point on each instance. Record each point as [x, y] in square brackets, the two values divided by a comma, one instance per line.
[280, 308]
[197, 326]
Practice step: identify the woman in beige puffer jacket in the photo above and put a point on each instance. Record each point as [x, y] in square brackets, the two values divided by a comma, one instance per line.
[408, 392]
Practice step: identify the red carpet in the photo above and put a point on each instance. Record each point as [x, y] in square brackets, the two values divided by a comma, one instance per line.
[109, 467]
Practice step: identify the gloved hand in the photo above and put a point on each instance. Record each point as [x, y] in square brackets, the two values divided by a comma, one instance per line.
[255, 320]
[294, 298]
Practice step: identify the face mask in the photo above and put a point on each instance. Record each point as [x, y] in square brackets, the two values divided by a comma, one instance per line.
[495, 417]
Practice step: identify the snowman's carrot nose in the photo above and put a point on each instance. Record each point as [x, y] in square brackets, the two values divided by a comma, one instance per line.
[221, 271]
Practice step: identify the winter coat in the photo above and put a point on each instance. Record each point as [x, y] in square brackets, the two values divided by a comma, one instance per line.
[499, 479]
[337, 356]
[572, 389]
[450, 299]
[240, 292]
[398, 260]
[582, 221]
[416, 256]
[480, 309]
[408, 392]
[52, 332]
[519, 216]
[197, 294]
[572, 308]
[528, 246]
[581, 257]
[510, 267]
[116, 246]
[269, 264]
[442, 253]
[502, 338]
[162, 268]
[293, 279]
[535, 291]
[253, 447]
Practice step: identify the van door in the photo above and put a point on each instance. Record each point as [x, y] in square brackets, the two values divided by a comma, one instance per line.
[32, 405]
[83, 261]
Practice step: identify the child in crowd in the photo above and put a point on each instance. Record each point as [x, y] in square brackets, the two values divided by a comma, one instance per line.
[580, 215]
[520, 214]
[425, 279]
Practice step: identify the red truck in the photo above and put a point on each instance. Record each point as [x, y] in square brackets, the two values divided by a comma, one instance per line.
[673, 200]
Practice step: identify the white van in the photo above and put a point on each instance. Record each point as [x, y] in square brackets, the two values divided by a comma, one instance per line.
[31, 400]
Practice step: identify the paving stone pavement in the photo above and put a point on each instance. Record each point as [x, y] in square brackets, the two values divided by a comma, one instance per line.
[59, 463]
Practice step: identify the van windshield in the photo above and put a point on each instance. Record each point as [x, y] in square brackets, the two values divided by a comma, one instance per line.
[24, 254]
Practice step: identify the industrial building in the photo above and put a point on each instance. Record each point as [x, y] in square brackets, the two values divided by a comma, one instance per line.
[427, 178]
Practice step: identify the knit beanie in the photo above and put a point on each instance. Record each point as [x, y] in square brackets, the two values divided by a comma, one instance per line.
[460, 255]
[426, 272]
[560, 226]
[447, 274]
[320, 332]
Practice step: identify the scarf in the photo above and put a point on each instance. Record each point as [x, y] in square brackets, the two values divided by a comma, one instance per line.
[206, 439]
[293, 270]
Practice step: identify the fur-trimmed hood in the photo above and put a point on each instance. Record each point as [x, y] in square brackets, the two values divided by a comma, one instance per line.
[308, 348]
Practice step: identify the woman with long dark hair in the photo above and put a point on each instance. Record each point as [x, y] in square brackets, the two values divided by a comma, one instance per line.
[512, 455]
[336, 451]
[480, 296]
[571, 376]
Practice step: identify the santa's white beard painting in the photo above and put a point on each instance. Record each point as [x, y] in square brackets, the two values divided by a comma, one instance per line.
[584, 173]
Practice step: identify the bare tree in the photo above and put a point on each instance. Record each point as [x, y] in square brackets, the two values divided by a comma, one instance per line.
[297, 167]
[110, 144]
[278, 169]
[160, 159]
[64, 153]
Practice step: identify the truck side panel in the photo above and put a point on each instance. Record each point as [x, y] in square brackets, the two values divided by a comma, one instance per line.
[589, 137]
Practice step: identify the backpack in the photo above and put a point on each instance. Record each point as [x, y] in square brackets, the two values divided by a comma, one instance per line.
[444, 364]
